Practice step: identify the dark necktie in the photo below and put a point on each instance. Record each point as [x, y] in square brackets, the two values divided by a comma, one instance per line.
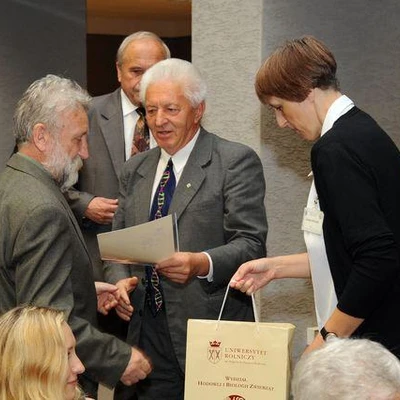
[141, 137]
[160, 206]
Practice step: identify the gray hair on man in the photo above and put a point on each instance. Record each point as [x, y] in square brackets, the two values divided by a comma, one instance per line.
[44, 101]
[347, 369]
[139, 36]
[177, 71]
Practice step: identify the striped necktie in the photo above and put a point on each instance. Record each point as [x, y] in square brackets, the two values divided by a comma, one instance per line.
[161, 202]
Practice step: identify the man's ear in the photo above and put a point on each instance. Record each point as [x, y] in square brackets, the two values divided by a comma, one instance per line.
[117, 66]
[41, 137]
[199, 111]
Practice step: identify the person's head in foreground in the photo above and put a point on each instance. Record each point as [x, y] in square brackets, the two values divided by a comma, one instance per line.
[298, 80]
[347, 369]
[37, 356]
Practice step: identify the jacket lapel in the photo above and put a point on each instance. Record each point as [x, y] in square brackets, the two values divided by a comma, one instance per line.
[112, 128]
[193, 174]
[143, 189]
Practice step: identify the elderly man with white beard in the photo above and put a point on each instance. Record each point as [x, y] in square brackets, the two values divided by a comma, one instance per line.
[43, 257]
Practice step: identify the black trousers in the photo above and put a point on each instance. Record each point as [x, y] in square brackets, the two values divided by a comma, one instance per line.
[113, 324]
[167, 379]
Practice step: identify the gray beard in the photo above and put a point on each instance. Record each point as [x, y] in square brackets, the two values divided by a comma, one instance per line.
[64, 170]
[71, 174]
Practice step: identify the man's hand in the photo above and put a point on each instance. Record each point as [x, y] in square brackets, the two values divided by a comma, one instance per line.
[107, 297]
[138, 368]
[181, 267]
[125, 286]
[101, 210]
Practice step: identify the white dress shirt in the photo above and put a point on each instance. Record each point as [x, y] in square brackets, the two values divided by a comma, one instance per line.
[130, 119]
[179, 160]
[324, 292]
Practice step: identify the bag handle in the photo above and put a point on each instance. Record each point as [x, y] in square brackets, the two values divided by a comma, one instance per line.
[253, 301]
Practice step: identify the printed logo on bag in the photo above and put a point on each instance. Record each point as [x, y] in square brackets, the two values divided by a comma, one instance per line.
[234, 397]
[214, 351]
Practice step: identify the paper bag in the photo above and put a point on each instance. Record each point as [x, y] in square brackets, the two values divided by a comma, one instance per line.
[233, 360]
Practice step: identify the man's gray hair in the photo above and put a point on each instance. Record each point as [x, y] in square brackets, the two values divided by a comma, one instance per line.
[44, 101]
[139, 36]
[178, 71]
[347, 369]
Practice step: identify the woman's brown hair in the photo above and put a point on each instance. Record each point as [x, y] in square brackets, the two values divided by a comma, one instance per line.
[295, 68]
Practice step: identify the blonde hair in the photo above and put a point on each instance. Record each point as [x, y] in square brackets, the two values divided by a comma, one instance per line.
[33, 358]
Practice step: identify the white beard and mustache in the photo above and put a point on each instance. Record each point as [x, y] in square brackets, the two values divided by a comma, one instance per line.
[63, 169]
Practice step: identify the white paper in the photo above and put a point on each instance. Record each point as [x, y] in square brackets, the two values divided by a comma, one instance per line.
[147, 243]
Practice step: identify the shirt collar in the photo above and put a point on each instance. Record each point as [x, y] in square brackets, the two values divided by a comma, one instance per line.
[338, 108]
[180, 157]
[127, 106]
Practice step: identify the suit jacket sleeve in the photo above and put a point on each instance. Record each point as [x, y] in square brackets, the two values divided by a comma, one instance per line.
[78, 201]
[45, 276]
[244, 219]
[99, 174]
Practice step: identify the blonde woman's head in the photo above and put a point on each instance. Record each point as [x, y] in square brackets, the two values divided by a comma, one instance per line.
[37, 356]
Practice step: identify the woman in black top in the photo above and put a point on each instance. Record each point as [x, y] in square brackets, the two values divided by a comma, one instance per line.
[356, 169]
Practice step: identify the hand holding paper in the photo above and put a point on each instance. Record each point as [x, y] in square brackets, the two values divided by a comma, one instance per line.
[183, 266]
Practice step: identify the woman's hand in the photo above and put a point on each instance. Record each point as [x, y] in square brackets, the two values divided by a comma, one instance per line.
[253, 275]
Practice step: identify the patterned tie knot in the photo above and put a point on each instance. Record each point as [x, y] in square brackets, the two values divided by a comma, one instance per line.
[141, 137]
[164, 193]
[141, 111]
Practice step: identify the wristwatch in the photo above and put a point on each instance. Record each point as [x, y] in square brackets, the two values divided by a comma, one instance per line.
[327, 335]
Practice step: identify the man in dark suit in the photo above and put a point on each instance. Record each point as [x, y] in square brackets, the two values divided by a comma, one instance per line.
[112, 119]
[219, 205]
[43, 257]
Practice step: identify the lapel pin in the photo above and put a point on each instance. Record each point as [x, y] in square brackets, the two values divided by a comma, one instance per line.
[188, 185]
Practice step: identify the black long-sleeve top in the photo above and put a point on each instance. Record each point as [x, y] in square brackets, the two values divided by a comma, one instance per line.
[356, 168]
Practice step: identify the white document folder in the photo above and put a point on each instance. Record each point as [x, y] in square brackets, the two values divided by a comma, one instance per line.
[147, 243]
